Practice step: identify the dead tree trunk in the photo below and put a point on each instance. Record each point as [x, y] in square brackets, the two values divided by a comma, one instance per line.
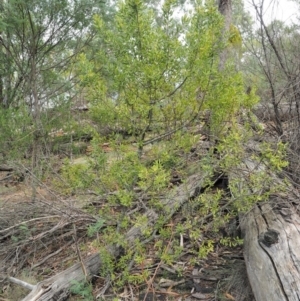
[272, 250]
[271, 232]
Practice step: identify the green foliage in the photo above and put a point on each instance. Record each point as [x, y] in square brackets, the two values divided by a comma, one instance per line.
[274, 157]
[147, 82]
[76, 175]
[39, 43]
[231, 241]
[235, 38]
[210, 202]
[54, 31]
[15, 132]
[155, 176]
[151, 73]
[123, 171]
[205, 248]
[24, 233]
[92, 229]
[231, 149]
[83, 289]
[25, 230]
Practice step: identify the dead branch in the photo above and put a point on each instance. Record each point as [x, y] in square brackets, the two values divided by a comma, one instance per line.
[6, 168]
[21, 282]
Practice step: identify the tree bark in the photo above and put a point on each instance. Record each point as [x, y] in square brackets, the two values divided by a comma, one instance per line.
[272, 250]
[225, 9]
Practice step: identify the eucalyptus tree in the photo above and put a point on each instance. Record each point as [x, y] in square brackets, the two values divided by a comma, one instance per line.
[39, 43]
[38, 40]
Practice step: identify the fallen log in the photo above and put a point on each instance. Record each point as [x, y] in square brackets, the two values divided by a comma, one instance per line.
[57, 288]
[271, 232]
[272, 251]
[5, 167]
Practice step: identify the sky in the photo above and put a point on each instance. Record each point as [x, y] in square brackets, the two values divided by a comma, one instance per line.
[284, 10]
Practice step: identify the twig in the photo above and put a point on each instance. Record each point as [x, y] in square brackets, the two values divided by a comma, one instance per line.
[172, 283]
[131, 292]
[29, 221]
[150, 283]
[105, 287]
[7, 177]
[85, 273]
[165, 267]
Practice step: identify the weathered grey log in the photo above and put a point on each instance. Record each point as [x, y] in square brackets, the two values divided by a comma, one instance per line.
[272, 251]
[5, 167]
[57, 287]
[271, 242]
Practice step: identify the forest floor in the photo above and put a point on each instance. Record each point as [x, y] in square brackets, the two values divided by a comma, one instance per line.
[39, 245]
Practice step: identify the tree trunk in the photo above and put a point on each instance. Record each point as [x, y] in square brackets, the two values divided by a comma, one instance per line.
[272, 250]
[271, 240]
[225, 8]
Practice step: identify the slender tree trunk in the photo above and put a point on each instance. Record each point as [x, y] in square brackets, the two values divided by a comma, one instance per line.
[35, 105]
[225, 8]
[37, 129]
